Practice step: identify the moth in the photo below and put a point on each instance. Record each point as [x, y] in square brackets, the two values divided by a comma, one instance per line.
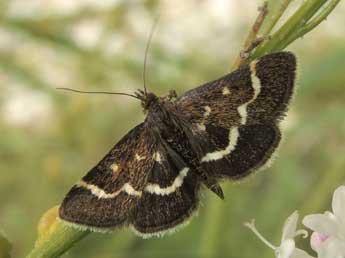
[223, 130]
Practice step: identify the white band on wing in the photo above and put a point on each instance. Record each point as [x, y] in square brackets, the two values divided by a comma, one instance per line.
[156, 189]
[100, 193]
[256, 84]
[127, 188]
[233, 138]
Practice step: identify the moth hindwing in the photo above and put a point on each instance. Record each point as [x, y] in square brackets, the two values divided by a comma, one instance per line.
[224, 129]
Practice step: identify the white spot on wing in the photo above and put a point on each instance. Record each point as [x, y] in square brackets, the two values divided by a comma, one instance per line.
[138, 157]
[157, 157]
[226, 91]
[114, 167]
[233, 138]
[201, 126]
[256, 84]
[207, 111]
[156, 189]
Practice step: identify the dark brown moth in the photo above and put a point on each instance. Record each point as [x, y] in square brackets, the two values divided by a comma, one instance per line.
[224, 129]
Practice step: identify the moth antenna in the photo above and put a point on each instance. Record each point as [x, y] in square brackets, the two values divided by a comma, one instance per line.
[99, 92]
[154, 25]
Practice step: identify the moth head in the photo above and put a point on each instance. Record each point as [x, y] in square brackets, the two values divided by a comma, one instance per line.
[147, 99]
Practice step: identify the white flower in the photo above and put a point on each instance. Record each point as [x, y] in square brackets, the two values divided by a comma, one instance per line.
[328, 239]
[287, 247]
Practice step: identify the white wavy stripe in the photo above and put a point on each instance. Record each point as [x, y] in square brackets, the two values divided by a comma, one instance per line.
[100, 193]
[127, 188]
[233, 138]
[256, 84]
[156, 189]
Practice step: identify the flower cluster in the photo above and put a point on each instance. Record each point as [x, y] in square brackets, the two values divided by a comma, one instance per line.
[327, 239]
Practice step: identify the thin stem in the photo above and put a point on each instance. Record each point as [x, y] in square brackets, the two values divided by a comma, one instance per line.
[315, 21]
[276, 9]
[300, 18]
[251, 226]
[251, 38]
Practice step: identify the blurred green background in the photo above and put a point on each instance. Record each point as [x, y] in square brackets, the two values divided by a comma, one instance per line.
[49, 138]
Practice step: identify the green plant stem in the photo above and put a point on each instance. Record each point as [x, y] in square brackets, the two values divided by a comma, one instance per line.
[296, 21]
[276, 8]
[58, 242]
[316, 20]
[252, 36]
